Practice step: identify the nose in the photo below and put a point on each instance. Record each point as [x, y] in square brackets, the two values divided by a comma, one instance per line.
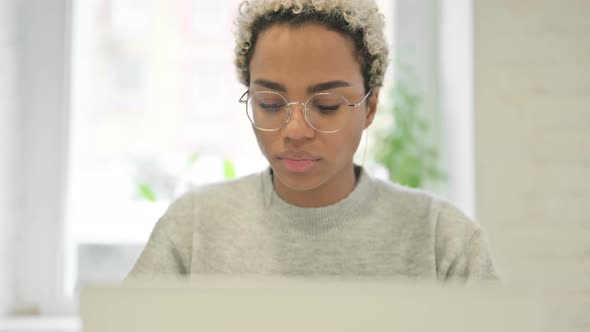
[297, 128]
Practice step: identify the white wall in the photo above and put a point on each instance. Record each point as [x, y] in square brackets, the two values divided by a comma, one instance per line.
[532, 121]
[8, 115]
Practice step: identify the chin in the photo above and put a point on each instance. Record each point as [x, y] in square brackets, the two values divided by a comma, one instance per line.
[298, 181]
[299, 185]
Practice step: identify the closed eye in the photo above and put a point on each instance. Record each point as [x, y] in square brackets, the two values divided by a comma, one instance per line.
[325, 109]
[271, 107]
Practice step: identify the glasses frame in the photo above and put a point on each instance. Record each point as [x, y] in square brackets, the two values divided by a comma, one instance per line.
[244, 100]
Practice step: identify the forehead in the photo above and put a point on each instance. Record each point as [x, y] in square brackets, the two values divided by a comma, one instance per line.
[305, 54]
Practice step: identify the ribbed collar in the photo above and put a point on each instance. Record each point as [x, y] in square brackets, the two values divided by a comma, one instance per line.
[318, 220]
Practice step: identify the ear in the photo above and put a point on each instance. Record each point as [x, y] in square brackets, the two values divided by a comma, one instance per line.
[372, 107]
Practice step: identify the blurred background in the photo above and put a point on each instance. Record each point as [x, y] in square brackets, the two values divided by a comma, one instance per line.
[109, 109]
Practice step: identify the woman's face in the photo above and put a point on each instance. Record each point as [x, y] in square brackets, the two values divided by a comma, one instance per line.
[298, 62]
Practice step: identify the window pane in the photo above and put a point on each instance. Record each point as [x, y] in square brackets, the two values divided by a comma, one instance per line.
[154, 94]
[154, 98]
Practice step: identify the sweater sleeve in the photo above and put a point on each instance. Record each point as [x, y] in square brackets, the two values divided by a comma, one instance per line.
[479, 262]
[168, 250]
[462, 249]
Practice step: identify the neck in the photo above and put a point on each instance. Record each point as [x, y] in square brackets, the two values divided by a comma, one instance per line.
[330, 192]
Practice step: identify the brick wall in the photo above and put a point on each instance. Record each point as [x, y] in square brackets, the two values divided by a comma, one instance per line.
[532, 128]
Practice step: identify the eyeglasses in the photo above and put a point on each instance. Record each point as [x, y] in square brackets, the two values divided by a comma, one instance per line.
[324, 112]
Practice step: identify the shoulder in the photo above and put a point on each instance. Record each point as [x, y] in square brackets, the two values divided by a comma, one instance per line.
[460, 244]
[181, 214]
[445, 219]
[219, 192]
[451, 220]
[404, 201]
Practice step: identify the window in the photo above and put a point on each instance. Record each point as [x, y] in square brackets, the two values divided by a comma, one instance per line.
[154, 112]
[144, 124]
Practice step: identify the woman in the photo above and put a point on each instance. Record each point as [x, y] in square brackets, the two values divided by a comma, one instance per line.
[313, 69]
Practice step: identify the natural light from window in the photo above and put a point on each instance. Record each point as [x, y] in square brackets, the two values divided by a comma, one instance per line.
[154, 112]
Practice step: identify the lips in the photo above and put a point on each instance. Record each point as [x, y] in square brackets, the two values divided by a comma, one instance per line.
[297, 161]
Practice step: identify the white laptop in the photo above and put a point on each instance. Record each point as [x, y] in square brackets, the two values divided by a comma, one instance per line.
[289, 305]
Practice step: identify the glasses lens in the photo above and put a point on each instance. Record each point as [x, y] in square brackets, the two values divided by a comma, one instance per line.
[267, 110]
[327, 112]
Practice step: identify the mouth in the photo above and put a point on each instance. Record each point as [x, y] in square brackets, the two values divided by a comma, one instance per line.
[298, 162]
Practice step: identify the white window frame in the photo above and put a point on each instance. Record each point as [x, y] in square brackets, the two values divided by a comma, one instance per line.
[456, 93]
[8, 148]
[42, 157]
[438, 36]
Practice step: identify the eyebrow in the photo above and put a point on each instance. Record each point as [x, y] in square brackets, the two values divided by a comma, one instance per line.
[327, 86]
[312, 89]
[271, 85]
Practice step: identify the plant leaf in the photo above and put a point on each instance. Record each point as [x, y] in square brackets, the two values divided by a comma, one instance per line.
[146, 192]
[229, 170]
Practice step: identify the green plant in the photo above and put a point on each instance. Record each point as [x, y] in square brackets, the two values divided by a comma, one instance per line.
[150, 188]
[146, 192]
[402, 148]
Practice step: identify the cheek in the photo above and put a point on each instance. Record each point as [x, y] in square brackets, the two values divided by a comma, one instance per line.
[355, 130]
[356, 124]
[264, 140]
[360, 119]
[344, 143]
